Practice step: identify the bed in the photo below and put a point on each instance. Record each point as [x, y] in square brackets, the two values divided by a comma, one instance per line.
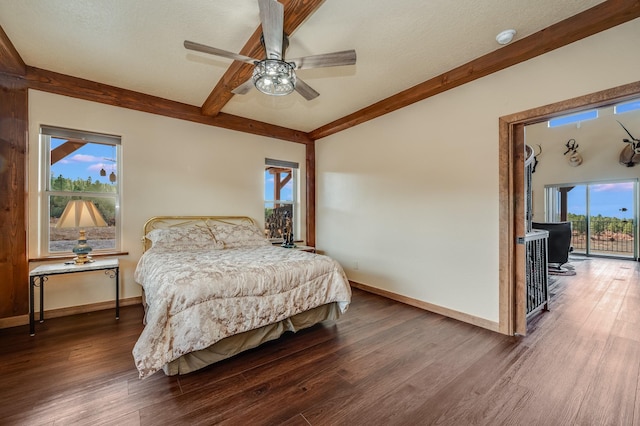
[215, 286]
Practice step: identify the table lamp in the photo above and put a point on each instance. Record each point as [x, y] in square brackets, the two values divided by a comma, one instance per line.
[81, 214]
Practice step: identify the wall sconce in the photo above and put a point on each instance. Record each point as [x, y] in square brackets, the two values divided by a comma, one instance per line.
[575, 159]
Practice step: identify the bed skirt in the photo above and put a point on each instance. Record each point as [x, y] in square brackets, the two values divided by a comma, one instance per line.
[233, 345]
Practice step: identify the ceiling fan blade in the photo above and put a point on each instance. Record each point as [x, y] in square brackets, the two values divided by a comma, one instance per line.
[305, 90]
[272, 18]
[218, 52]
[335, 59]
[244, 88]
[625, 129]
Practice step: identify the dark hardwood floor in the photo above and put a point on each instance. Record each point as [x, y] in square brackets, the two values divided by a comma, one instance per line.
[383, 363]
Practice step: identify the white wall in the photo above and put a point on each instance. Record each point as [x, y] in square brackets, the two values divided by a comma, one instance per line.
[169, 167]
[408, 202]
[600, 144]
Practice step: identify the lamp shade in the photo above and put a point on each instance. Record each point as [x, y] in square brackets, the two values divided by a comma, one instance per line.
[80, 214]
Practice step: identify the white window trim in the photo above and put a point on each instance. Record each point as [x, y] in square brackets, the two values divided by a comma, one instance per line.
[46, 133]
[295, 167]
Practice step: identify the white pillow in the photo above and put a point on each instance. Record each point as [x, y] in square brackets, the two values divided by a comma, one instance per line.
[184, 238]
[238, 235]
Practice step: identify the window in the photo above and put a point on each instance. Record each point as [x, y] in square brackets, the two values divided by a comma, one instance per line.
[602, 215]
[573, 118]
[626, 107]
[81, 181]
[280, 190]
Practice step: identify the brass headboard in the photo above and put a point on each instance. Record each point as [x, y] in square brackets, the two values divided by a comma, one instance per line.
[164, 222]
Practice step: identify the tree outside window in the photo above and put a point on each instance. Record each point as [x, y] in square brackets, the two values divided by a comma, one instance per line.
[280, 198]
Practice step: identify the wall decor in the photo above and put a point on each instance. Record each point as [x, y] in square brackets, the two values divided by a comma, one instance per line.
[575, 159]
[630, 154]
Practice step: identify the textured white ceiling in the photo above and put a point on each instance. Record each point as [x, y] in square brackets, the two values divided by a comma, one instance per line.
[137, 45]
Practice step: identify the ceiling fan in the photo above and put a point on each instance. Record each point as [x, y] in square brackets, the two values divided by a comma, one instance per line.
[274, 75]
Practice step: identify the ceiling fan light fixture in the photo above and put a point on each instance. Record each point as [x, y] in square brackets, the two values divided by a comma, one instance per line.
[274, 77]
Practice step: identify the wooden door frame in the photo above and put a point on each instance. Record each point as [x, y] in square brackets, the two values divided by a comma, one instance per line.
[512, 297]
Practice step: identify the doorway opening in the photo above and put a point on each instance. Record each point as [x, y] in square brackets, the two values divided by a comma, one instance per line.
[512, 255]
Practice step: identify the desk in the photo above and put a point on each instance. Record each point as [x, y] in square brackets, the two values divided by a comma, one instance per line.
[38, 276]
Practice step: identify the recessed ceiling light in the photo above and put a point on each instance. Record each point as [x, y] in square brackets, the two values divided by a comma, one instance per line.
[505, 36]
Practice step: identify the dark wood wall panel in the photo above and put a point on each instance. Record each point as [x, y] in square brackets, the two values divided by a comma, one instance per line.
[13, 226]
[10, 60]
[311, 194]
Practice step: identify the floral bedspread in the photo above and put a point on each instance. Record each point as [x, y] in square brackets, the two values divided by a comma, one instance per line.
[198, 297]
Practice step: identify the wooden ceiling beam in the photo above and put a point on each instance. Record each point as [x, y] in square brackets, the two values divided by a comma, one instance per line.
[65, 149]
[592, 21]
[10, 60]
[61, 84]
[295, 13]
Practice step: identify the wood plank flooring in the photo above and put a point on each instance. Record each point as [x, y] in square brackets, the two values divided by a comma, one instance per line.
[383, 363]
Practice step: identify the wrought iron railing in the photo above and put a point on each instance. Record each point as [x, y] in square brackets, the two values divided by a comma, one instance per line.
[608, 236]
[537, 278]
